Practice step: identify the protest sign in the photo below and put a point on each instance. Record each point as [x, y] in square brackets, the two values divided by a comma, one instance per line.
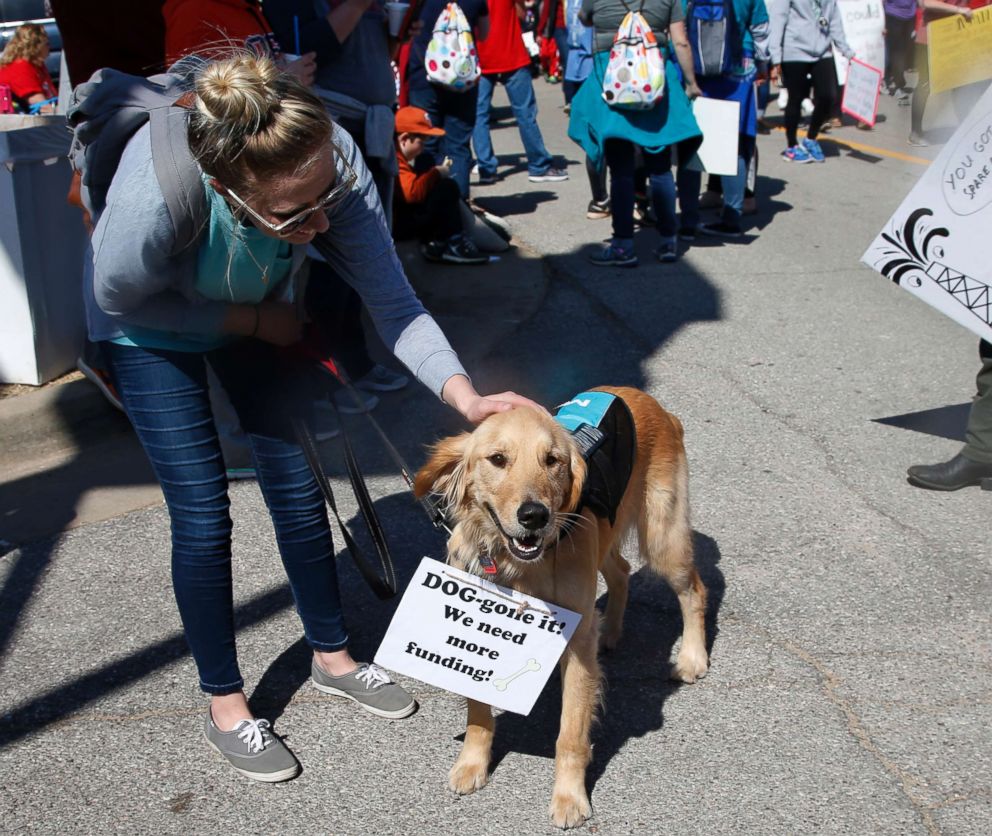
[864, 23]
[960, 50]
[719, 123]
[861, 92]
[936, 244]
[472, 637]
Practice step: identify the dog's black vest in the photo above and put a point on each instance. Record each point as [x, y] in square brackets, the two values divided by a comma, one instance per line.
[603, 427]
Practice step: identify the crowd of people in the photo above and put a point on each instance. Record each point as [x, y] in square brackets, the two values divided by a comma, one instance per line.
[297, 137]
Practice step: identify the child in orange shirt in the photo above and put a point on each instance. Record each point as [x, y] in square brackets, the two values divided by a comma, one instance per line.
[427, 203]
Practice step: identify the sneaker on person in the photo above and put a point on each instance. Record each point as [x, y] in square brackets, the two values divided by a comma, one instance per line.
[711, 199]
[369, 686]
[688, 234]
[917, 141]
[485, 178]
[797, 154]
[382, 379]
[253, 750]
[460, 250]
[814, 150]
[614, 256]
[750, 206]
[904, 98]
[552, 175]
[597, 210]
[667, 252]
[101, 379]
[350, 401]
[722, 229]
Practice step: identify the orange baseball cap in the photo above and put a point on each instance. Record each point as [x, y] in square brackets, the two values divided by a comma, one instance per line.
[414, 120]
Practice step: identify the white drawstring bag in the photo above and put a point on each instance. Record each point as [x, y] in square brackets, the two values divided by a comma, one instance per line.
[635, 75]
[451, 59]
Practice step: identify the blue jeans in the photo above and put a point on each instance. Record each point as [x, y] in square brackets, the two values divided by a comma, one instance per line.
[520, 91]
[733, 187]
[620, 159]
[165, 396]
[455, 112]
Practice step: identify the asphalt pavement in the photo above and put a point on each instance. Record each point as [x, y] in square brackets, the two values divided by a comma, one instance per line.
[849, 691]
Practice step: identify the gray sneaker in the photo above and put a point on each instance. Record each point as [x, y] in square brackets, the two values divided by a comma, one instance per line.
[369, 686]
[253, 750]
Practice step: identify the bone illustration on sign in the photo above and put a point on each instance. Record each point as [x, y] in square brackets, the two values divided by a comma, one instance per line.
[502, 684]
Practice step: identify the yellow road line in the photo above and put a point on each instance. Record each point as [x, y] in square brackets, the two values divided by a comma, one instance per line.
[869, 149]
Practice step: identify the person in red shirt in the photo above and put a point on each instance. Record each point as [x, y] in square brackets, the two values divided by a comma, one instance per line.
[504, 60]
[213, 27]
[22, 66]
[427, 201]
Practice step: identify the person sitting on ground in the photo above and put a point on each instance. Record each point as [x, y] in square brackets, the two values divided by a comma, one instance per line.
[22, 67]
[427, 202]
[804, 33]
[276, 173]
[973, 465]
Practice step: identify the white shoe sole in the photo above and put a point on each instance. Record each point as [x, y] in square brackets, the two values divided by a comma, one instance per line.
[264, 777]
[399, 714]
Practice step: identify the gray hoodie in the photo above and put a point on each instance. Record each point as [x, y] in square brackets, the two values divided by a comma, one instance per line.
[797, 33]
[133, 279]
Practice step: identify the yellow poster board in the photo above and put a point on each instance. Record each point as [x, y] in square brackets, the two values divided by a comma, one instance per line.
[960, 50]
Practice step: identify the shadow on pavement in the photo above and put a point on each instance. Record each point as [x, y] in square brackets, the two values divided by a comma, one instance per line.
[943, 421]
[635, 676]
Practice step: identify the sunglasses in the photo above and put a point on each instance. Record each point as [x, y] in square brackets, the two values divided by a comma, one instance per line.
[293, 224]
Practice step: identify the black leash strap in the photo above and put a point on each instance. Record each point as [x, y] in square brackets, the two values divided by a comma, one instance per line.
[384, 586]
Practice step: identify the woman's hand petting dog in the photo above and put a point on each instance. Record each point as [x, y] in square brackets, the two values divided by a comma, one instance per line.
[460, 393]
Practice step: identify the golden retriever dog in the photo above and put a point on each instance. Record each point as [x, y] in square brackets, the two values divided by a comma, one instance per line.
[508, 489]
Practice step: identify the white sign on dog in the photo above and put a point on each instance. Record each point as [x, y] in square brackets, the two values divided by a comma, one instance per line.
[472, 637]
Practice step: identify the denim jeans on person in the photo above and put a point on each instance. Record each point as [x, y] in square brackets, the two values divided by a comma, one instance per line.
[689, 182]
[523, 102]
[455, 112]
[165, 395]
[620, 159]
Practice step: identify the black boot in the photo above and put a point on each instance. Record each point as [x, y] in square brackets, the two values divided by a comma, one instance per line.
[959, 472]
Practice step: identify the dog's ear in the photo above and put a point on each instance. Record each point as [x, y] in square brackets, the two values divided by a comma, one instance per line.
[577, 469]
[444, 470]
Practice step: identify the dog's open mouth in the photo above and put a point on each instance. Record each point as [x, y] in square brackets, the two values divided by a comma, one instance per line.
[526, 548]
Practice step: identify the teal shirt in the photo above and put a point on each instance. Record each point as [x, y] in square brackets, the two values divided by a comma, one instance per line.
[236, 263]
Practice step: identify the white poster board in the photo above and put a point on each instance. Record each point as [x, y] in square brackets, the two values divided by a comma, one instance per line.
[862, 91]
[936, 244]
[864, 24]
[472, 637]
[720, 123]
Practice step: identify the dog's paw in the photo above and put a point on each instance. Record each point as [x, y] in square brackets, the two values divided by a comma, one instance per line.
[690, 666]
[466, 778]
[569, 809]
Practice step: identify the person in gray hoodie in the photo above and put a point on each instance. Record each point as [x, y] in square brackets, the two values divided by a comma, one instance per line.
[803, 35]
[276, 173]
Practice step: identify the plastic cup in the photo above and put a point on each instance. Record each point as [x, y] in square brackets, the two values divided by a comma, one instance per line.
[396, 13]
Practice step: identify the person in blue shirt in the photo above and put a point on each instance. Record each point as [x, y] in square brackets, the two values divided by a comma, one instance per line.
[749, 30]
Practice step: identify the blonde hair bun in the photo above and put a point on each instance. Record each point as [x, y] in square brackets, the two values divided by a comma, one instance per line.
[240, 93]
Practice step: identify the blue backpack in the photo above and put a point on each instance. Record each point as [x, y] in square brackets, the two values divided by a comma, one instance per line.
[713, 36]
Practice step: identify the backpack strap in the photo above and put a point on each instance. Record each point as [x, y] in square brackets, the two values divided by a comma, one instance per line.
[178, 173]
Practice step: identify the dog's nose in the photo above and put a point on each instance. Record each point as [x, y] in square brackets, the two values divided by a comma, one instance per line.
[532, 515]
